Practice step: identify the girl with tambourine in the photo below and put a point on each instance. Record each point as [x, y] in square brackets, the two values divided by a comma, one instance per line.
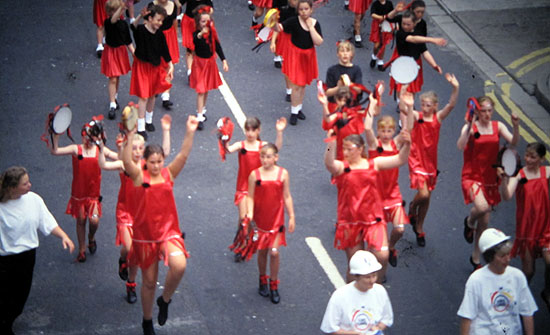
[249, 159]
[204, 73]
[148, 76]
[118, 42]
[423, 158]
[85, 201]
[301, 64]
[381, 30]
[479, 140]
[156, 232]
[360, 221]
[188, 27]
[532, 213]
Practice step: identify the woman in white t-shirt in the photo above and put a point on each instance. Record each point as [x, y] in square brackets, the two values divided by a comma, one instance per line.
[361, 307]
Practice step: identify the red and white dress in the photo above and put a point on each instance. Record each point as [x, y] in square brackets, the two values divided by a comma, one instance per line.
[423, 155]
[249, 160]
[480, 154]
[389, 186]
[155, 223]
[86, 186]
[269, 211]
[532, 215]
[360, 209]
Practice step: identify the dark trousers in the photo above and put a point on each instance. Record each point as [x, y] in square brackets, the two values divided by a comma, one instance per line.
[15, 284]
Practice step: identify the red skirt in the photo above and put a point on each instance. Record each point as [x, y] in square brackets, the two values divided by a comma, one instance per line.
[418, 180]
[263, 3]
[99, 12]
[300, 65]
[187, 29]
[204, 74]
[83, 208]
[115, 61]
[282, 44]
[172, 41]
[147, 79]
[414, 87]
[267, 239]
[144, 254]
[490, 192]
[120, 229]
[377, 36]
[348, 235]
[359, 6]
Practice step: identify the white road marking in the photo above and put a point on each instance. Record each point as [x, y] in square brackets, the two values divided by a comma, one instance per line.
[325, 261]
[232, 102]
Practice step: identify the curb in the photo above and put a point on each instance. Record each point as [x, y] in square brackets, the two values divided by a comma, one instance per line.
[542, 88]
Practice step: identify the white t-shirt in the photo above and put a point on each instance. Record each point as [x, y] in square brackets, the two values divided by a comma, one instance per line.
[19, 221]
[351, 309]
[495, 302]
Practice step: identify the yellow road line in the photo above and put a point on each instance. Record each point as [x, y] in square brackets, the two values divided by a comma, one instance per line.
[325, 261]
[532, 66]
[526, 58]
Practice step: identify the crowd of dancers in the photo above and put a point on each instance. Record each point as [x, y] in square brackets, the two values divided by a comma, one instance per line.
[363, 154]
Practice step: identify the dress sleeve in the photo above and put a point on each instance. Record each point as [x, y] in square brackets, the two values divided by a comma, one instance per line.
[164, 52]
[219, 51]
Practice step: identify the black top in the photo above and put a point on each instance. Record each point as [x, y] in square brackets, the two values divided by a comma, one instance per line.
[117, 34]
[334, 72]
[381, 9]
[419, 29]
[150, 47]
[405, 48]
[203, 49]
[286, 12]
[192, 4]
[169, 19]
[299, 37]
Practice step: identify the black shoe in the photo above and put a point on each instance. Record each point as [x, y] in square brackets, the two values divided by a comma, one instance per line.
[200, 126]
[301, 115]
[393, 257]
[263, 290]
[468, 232]
[92, 246]
[238, 258]
[163, 310]
[275, 298]
[293, 119]
[149, 126]
[167, 104]
[131, 296]
[278, 64]
[346, 7]
[287, 98]
[147, 326]
[372, 63]
[123, 269]
[421, 239]
[358, 44]
[381, 68]
[143, 134]
[251, 5]
[99, 53]
[475, 265]
[112, 113]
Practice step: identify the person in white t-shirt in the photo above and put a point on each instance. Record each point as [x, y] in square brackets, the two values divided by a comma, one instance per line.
[497, 294]
[22, 214]
[361, 307]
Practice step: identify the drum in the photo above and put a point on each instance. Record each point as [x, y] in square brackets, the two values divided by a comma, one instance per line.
[404, 70]
[509, 160]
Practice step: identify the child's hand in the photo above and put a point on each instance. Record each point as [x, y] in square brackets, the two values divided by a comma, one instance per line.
[291, 224]
[322, 99]
[440, 41]
[452, 79]
[400, 6]
[225, 66]
[515, 120]
[166, 122]
[281, 124]
[407, 98]
[405, 136]
[144, 11]
[192, 123]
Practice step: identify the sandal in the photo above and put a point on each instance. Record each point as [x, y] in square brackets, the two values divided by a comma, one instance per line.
[81, 258]
[92, 246]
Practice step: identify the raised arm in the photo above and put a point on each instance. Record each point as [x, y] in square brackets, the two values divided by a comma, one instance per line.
[118, 12]
[390, 162]
[166, 122]
[512, 138]
[464, 135]
[131, 168]
[508, 185]
[442, 114]
[104, 164]
[334, 166]
[178, 163]
[406, 108]
[280, 127]
[289, 205]
[71, 149]
[369, 132]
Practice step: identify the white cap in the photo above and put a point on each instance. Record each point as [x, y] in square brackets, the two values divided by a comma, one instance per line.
[491, 237]
[363, 262]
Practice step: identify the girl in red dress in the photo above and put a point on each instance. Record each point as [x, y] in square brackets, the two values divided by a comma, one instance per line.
[268, 196]
[204, 73]
[479, 140]
[301, 64]
[249, 160]
[188, 27]
[118, 42]
[85, 202]
[423, 158]
[157, 235]
[360, 223]
[99, 16]
[532, 213]
[358, 7]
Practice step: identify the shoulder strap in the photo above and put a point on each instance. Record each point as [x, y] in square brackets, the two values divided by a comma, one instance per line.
[257, 174]
[146, 178]
[420, 115]
[280, 174]
[543, 172]
[394, 147]
[495, 128]
[79, 146]
[522, 174]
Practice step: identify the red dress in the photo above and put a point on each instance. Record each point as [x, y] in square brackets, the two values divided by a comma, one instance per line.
[99, 13]
[124, 207]
[263, 3]
[269, 210]
[248, 161]
[480, 154]
[155, 222]
[300, 64]
[360, 209]
[354, 126]
[423, 156]
[359, 6]
[86, 186]
[532, 215]
[389, 186]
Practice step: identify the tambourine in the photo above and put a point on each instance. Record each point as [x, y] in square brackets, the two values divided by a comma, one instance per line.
[509, 160]
[471, 105]
[345, 79]
[94, 130]
[129, 118]
[404, 69]
[58, 122]
[271, 18]
[225, 132]
[386, 27]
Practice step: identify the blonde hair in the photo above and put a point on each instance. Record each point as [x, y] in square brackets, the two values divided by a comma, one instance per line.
[138, 138]
[430, 95]
[111, 6]
[484, 98]
[386, 121]
[346, 45]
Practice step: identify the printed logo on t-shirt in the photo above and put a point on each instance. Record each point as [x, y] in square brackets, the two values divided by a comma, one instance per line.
[362, 320]
[501, 300]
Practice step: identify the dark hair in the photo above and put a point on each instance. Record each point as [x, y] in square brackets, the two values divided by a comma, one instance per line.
[417, 3]
[537, 147]
[10, 179]
[358, 141]
[252, 123]
[197, 16]
[309, 2]
[408, 15]
[489, 254]
[154, 10]
[153, 149]
[271, 146]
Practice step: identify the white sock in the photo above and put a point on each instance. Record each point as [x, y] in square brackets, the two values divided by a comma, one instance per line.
[289, 91]
[277, 58]
[358, 38]
[112, 104]
[165, 96]
[148, 117]
[203, 109]
[254, 19]
[295, 109]
[200, 117]
[116, 96]
[99, 47]
[179, 17]
[373, 57]
[188, 72]
[132, 20]
[346, 2]
[141, 124]
[380, 62]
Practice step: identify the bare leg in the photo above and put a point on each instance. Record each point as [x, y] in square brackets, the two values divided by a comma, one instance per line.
[149, 280]
[398, 222]
[297, 96]
[177, 264]
[422, 203]
[528, 265]
[262, 261]
[112, 88]
[100, 32]
[357, 24]
[81, 234]
[478, 219]
[188, 60]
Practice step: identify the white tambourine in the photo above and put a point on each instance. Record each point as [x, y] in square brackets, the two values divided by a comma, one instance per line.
[264, 34]
[386, 27]
[404, 69]
[61, 119]
[509, 160]
[129, 118]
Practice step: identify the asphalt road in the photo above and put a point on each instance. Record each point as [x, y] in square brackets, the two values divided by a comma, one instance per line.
[48, 58]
